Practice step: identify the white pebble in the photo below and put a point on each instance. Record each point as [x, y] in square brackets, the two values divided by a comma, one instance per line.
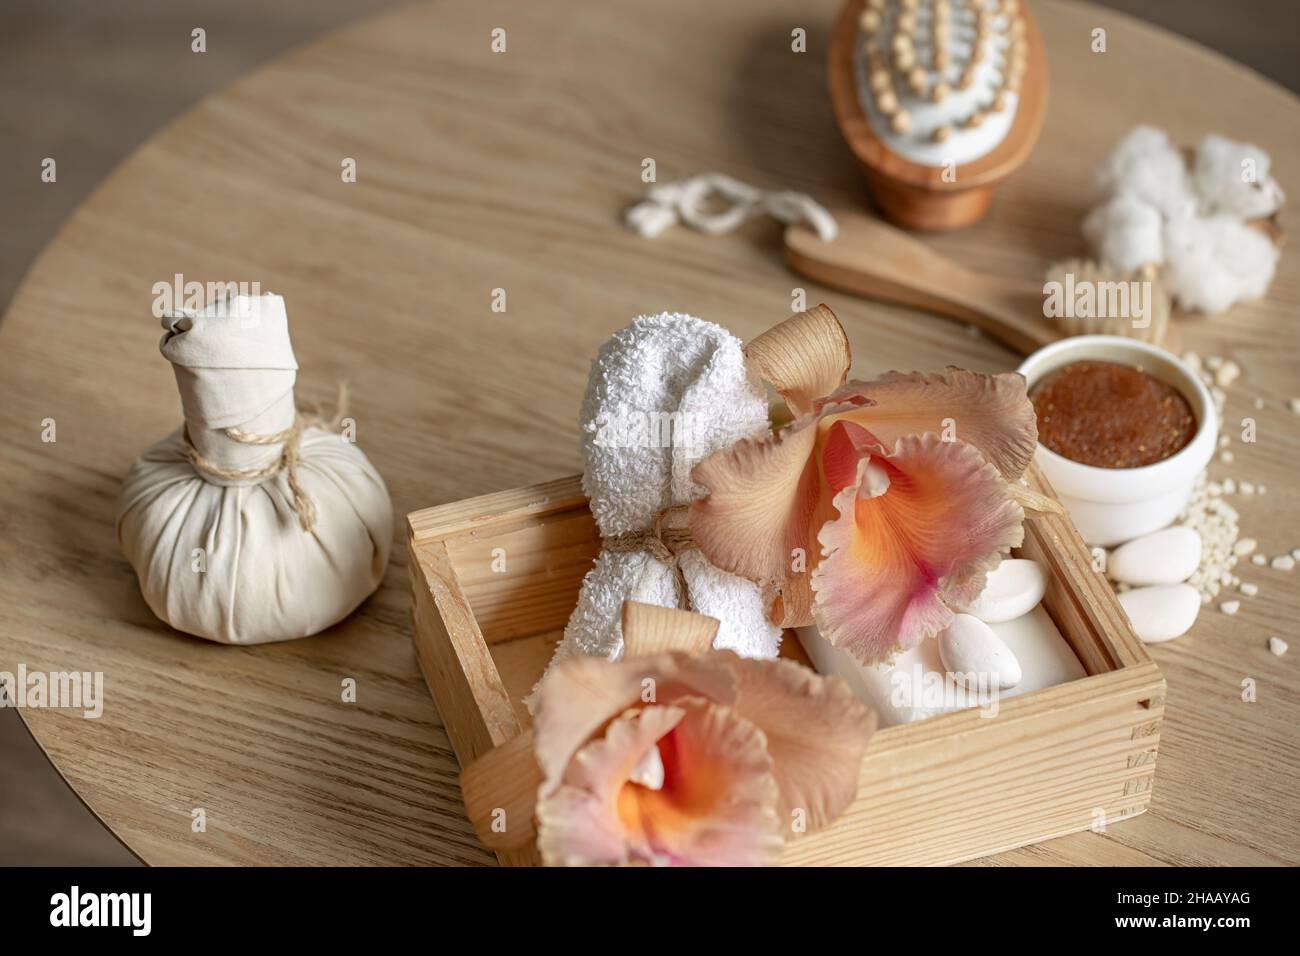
[1162, 612]
[1248, 589]
[1014, 588]
[1283, 562]
[1230, 607]
[1162, 557]
[1277, 645]
[971, 652]
[1244, 546]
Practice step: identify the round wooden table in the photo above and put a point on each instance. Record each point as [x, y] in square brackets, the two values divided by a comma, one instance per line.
[478, 171]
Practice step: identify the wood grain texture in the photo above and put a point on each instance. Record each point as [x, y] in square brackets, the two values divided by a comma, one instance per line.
[479, 171]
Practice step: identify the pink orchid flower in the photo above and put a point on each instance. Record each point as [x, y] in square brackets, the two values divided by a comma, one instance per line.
[883, 504]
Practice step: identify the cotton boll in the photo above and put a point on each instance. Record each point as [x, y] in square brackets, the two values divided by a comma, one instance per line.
[1126, 233]
[1233, 177]
[1211, 262]
[1145, 164]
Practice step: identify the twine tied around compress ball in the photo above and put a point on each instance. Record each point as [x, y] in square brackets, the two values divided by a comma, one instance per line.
[664, 544]
[289, 460]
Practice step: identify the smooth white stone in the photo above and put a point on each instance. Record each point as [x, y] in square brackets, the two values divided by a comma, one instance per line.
[1163, 557]
[969, 648]
[1161, 612]
[1046, 660]
[1013, 588]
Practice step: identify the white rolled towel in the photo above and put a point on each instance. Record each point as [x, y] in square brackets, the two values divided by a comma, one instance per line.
[223, 544]
[663, 393]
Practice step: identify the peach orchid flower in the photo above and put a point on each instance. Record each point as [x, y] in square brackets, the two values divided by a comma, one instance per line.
[882, 504]
[676, 754]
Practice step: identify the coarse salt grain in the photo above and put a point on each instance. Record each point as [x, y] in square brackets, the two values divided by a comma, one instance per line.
[1283, 562]
[1230, 607]
[1295, 405]
[1244, 546]
[1277, 645]
[1225, 457]
[1248, 589]
[1259, 559]
[1216, 522]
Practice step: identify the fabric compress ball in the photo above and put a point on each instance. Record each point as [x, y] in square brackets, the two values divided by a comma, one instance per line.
[248, 523]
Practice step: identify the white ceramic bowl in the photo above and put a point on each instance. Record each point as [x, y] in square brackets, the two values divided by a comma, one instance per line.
[1113, 505]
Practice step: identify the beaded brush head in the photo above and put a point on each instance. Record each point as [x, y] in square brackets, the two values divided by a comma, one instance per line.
[939, 80]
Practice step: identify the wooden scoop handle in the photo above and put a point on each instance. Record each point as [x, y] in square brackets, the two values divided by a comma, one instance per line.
[877, 261]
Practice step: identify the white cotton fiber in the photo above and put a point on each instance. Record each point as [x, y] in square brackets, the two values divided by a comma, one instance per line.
[1146, 165]
[1194, 225]
[1233, 177]
[1126, 233]
[1214, 261]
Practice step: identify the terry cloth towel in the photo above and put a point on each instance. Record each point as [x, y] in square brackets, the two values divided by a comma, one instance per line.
[665, 392]
[226, 556]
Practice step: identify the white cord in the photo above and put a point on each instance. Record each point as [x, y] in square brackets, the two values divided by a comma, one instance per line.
[685, 200]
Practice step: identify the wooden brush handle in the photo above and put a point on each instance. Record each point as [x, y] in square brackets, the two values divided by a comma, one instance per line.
[877, 261]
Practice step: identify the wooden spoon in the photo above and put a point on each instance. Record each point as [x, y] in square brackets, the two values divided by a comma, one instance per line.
[877, 261]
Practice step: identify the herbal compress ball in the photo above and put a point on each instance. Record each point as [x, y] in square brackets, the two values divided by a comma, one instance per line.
[249, 524]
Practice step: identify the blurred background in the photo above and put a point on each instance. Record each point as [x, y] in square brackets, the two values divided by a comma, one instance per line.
[88, 81]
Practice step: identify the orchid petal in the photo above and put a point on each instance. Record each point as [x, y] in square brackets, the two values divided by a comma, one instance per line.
[579, 824]
[890, 561]
[762, 509]
[816, 733]
[991, 412]
[580, 695]
[805, 357]
[716, 805]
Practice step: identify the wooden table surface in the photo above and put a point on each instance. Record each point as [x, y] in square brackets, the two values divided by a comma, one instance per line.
[479, 171]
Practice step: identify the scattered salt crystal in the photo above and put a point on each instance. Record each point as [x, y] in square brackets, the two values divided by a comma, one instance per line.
[1259, 559]
[1259, 403]
[1295, 405]
[1283, 562]
[1277, 645]
[1295, 553]
[1228, 373]
[1247, 488]
[1214, 362]
[1244, 546]
[1248, 589]
[1229, 486]
[1230, 607]
[1224, 441]
[1225, 579]
[1193, 361]
[1225, 457]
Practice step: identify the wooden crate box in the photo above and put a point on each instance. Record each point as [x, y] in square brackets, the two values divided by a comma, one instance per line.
[494, 581]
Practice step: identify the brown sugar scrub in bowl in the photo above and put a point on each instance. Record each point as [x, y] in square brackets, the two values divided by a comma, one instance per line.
[1111, 415]
[1111, 503]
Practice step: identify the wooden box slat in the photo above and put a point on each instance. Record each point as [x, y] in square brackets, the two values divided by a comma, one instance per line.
[943, 790]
